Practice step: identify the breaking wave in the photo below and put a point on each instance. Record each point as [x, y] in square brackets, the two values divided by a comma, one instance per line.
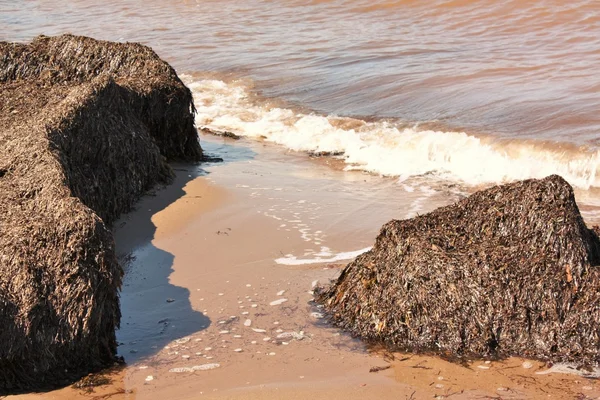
[387, 148]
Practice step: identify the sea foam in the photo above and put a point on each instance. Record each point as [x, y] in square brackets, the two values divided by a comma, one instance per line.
[385, 148]
[290, 259]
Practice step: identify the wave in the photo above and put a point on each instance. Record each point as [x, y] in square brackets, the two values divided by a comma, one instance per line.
[387, 148]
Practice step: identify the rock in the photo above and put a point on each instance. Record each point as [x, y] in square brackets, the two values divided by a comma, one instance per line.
[277, 302]
[97, 124]
[507, 271]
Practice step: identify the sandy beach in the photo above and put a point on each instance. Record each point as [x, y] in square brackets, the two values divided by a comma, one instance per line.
[217, 296]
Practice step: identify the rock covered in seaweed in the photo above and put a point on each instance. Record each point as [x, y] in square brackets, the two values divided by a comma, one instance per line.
[86, 127]
[507, 271]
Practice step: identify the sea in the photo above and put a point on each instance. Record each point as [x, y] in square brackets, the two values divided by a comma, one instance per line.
[430, 93]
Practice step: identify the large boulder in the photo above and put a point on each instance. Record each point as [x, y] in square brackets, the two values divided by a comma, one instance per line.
[86, 127]
[507, 271]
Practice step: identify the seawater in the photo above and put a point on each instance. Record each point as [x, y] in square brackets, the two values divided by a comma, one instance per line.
[471, 92]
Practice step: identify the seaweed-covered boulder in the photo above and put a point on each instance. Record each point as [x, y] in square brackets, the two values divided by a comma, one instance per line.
[507, 271]
[86, 127]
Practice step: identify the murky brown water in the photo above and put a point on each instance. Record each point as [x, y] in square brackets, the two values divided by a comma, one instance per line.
[510, 68]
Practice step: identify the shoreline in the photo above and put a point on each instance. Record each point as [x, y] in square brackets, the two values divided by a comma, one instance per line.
[209, 243]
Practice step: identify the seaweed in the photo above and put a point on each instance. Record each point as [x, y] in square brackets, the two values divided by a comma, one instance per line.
[86, 127]
[214, 132]
[508, 271]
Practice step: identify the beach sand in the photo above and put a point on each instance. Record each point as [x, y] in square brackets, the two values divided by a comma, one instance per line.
[203, 286]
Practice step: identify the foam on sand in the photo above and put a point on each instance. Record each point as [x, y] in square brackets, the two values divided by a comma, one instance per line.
[290, 259]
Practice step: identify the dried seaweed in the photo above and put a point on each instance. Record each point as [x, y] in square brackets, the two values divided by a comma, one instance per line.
[86, 127]
[214, 132]
[507, 271]
[88, 383]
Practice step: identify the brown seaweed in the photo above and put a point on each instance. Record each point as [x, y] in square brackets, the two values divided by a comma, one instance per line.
[215, 132]
[86, 127]
[508, 271]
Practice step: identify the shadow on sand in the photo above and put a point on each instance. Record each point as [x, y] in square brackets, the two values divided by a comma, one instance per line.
[154, 311]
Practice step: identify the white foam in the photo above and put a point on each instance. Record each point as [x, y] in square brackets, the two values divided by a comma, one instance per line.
[290, 259]
[566, 368]
[384, 148]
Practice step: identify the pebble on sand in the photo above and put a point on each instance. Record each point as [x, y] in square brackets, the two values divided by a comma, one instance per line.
[247, 322]
[149, 378]
[258, 330]
[527, 365]
[202, 367]
[277, 302]
[291, 335]
[280, 293]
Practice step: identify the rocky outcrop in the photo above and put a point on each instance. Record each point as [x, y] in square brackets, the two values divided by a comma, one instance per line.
[507, 271]
[86, 127]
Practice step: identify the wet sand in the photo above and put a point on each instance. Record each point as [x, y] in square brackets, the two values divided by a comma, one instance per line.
[203, 289]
